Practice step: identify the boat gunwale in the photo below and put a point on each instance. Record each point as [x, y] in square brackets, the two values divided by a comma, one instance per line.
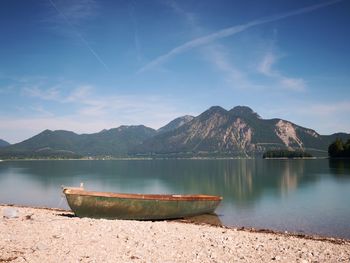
[160, 197]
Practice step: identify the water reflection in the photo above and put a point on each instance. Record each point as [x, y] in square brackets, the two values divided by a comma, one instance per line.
[239, 181]
[298, 195]
[340, 168]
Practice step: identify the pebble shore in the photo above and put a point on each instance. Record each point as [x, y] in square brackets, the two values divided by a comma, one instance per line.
[44, 235]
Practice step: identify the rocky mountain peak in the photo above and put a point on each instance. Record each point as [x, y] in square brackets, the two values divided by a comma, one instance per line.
[174, 124]
[213, 112]
[187, 118]
[47, 131]
[244, 111]
[216, 109]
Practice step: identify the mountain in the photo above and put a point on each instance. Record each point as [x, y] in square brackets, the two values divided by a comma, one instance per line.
[174, 124]
[116, 141]
[216, 132]
[3, 143]
[237, 132]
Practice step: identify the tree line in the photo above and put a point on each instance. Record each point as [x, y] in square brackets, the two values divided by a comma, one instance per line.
[339, 149]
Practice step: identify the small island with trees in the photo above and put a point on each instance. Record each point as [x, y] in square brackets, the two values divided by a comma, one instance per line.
[283, 153]
[339, 149]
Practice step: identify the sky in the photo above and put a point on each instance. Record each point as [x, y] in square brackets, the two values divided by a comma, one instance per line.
[88, 65]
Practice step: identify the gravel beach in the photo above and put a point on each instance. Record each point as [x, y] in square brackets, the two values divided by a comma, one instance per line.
[44, 235]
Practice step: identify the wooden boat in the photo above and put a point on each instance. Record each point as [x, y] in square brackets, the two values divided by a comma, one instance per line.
[138, 206]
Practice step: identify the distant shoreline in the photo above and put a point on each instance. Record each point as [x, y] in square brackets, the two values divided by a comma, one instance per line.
[163, 158]
[294, 158]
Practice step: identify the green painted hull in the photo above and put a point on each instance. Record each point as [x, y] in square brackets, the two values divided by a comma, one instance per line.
[139, 208]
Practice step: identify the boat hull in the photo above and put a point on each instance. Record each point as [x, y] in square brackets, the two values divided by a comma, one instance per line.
[139, 207]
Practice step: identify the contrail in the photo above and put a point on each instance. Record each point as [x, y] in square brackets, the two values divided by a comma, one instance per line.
[79, 35]
[226, 32]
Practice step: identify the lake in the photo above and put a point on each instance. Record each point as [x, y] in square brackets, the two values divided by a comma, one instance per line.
[307, 196]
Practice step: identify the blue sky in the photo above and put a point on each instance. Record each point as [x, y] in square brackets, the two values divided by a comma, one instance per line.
[89, 65]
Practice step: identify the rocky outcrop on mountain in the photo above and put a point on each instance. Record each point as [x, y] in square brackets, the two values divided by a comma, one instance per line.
[287, 133]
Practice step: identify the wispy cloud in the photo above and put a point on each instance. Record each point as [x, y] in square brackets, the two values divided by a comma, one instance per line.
[80, 10]
[76, 94]
[326, 117]
[78, 13]
[266, 68]
[293, 84]
[227, 32]
[52, 93]
[41, 111]
[85, 104]
[327, 109]
[218, 57]
[189, 17]
[215, 54]
[79, 94]
[72, 16]
[133, 18]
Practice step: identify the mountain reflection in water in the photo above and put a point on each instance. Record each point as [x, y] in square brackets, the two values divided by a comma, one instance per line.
[297, 195]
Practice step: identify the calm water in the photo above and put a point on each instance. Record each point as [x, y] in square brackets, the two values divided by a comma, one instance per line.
[309, 196]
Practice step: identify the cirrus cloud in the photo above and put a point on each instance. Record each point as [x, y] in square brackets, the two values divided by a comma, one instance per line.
[266, 68]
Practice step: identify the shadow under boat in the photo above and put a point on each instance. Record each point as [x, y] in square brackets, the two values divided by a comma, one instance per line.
[207, 219]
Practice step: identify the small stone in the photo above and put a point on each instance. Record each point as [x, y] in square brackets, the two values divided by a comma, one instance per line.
[41, 246]
[10, 212]
[28, 217]
[276, 258]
